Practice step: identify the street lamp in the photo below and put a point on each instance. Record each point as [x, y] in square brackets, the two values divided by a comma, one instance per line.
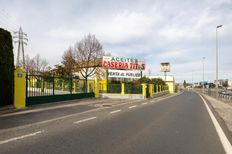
[203, 74]
[192, 79]
[217, 58]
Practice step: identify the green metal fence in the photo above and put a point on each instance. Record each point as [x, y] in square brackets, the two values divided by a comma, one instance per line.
[56, 98]
[49, 88]
[155, 89]
[44, 85]
[114, 88]
[133, 89]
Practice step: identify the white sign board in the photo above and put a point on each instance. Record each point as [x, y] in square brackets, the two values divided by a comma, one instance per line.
[123, 63]
[165, 67]
[124, 74]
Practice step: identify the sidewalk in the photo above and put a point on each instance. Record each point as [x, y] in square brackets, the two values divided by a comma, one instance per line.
[6, 109]
[93, 102]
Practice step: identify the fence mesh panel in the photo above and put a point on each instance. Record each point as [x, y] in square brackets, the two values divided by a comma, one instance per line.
[114, 88]
[133, 89]
[46, 85]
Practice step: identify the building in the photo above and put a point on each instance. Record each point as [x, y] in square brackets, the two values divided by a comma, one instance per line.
[229, 85]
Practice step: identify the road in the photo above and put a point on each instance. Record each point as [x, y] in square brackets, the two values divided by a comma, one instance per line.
[179, 124]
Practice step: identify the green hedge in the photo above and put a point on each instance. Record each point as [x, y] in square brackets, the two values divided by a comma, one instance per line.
[6, 68]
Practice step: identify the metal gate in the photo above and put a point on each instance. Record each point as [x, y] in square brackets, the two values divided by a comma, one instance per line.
[41, 88]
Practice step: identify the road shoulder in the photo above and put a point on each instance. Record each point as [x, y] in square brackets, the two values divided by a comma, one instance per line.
[223, 113]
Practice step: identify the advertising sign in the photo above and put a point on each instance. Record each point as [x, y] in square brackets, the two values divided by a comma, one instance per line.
[165, 67]
[123, 63]
[124, 74]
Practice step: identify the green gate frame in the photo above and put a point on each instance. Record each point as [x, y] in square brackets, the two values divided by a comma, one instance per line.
[56, 98]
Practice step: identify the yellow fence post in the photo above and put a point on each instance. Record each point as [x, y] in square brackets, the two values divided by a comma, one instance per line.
[62, 85]
[151, 89]
[88, 86]
[144, 86]
[19, 88]
[157, 88]
[96, 88]
[122, 89]
[74, 87]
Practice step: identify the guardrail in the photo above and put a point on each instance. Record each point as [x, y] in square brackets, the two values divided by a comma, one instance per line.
[220, 96]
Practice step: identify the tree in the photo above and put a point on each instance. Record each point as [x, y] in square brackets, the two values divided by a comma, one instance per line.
[58, 70]
[6, 68]
[36, 64]
[145, 80]
[88, 52]
[158, 81]
[225, 84]
[68, 61]
[185, 84]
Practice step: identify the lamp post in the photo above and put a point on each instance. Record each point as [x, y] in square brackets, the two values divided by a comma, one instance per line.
[203, 73]
[192, 79]
[217, 58]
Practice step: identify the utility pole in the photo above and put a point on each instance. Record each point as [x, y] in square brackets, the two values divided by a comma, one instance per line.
[192, 78]
[219, 26]
[21, 39]
[203, 73]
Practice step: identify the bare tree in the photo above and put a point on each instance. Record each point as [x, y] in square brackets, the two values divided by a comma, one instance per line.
[36, 64]
[44, 65]
[99, 72]
[68, 61]
[88, 52]
[28, 65]
[40, 64]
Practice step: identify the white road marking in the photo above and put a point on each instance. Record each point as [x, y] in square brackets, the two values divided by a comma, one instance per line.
[20, 137]
[132, 106]
[144, 103]
[83, 120]
[224, 140]
[115, 111]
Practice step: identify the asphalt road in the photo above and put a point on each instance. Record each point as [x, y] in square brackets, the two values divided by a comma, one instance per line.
[177, 125]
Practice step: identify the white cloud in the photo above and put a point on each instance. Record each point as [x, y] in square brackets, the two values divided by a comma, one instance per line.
[181, 32]
[119, 28]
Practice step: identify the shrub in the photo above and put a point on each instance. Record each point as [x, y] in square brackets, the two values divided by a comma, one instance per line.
[6, 68]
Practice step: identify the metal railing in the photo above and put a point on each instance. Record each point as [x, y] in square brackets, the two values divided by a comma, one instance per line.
[114, 88]
[133, 89]
[222, 95]
[47, 85]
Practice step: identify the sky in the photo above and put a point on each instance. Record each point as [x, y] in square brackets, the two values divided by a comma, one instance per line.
[175, 31]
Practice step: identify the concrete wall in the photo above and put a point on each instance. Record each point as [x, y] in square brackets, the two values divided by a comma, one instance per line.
[125, 96]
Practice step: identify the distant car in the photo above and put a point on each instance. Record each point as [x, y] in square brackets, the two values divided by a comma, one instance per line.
[224, 93]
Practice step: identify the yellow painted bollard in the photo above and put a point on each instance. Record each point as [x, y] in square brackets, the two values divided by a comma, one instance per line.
[122, 88]
[19, 88]
[144, 86]
[96, 88]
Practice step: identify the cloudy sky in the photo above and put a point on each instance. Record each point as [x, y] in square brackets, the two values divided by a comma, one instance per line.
[178, 31]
